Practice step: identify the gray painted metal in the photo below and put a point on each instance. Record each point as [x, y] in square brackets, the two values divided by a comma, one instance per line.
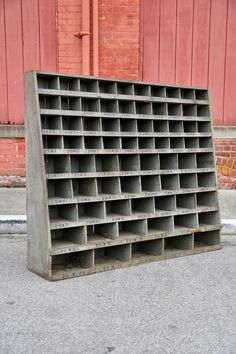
[118, 173]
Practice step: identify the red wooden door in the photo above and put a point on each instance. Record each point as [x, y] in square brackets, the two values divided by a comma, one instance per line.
[27, 41]
[192, 42]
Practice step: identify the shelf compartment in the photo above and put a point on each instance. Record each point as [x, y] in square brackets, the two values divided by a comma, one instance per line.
[173, 92]
[192, 143]
[161, 126]
[177, 143]
[142, 90]
[72, 123]
[129, 143]
[118, 207]
[209, 218]
[60, 189]
[143, 107]
[88, 85]
[129, 163]
[186, 221]
[126, 107]
[186, 201]
[110, 230]
[107, 87]
[170, 182]
[175, 126]
[110, 125]
[72, 261]
[48, 82]
[128, 125]
[201, 95]
[83, 163]
[51, 122]
[162, 143]
[203, 111]
[205, 160]
[92, 124]
[190, 127]
[158, 91]
[206, 179]
[207, 199]
[188, 94]
[146, 143]
[134, 227]
[145, 125]
[187, 161]
[144, 205]
[109, 185]
[109, 106]
[205, 142]
[106, 255]
[162, 224]
[67, 212]
[190, 110]
[69, 84]
[150, 183]
[93, 142]
[71, 103]
[73, 142]
[125, 88]
[174, 109]
[50, 102]
[84, 187]
[61, 237]
[204, 127]
[169, 162]
[149, 162]
[166, 202]
[159, 109]
[95, 210]
[183, 242]
[188, 180]
[107, 163]
[53, 142]
[90, 105]
[130, 184]
[143, 248]
[201, 239]
[57, 164]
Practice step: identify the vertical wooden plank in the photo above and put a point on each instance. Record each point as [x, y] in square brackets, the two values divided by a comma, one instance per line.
[30, 23]
[48, 38]
[167, 41]
[3, 68]
[184, 42]
[14, 61]
[201, 42]
[151, 33]
[217, 58]
[230, 69]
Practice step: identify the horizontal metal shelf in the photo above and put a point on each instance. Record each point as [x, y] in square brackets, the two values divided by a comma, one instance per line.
[61, 223]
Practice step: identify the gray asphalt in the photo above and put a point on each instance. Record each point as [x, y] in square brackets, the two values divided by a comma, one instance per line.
[183, 305]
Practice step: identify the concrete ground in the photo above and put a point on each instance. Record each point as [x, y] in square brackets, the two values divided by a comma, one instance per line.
[183, 305]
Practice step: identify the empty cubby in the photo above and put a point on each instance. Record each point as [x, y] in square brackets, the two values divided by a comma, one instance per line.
[210, 238]
[150, 183]
[182, 242]
[175, 126]
[110, 230]
[51, 122]
[143, 107]
[205, 142]
[161, 126]
[201, 94]
[205, 160]
[53, 142]
[107, 163]
[72, 261]
[189, 110]
[129, 143]
[125, 88]
[127, 107]
[92, 124]
[209, 218]
[203, 111]
[88, 85]
[83, 163]
[168, 162]
[69, 84]
[149, 162]
[188, 94]
[118, 207]
[187, 161]
[207, 199]
[60, 188]
[71, 234]
[72, 123]
[173, 92]
[107, 87]
[109, 106]
[144, 205]
[191, 143]
[145, 125]
[158, 91]
[188, 180]
[120, 253]
[64, 212]
[90, 105]
[169, 182]
[129, 163]
[95, 210]
[159, 109]
[108, 185]
[143, 248]
[174, 109]
[176, 143]
[111, 125]
[130, 184]
[57, 164]
[48, 82]
[112, 143]
[190, 127]
[162, 143]
[71, 103]
[146, 143]
[142, 90]
[162, 224]
[204, 127]
[207, 179]
[50, 102]
[133, 227]
[128, 125]
[186, 201]
[166, 202]
[84, 187]
[93, 142]
[186, 221]
[73, 142]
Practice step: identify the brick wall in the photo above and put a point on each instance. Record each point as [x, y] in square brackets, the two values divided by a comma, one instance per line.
[225, 151]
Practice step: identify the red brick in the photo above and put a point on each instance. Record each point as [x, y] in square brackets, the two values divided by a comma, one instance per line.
[223, 154]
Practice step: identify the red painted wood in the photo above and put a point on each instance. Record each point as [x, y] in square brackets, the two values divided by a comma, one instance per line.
[151, 33]
[48, 38]
[3, 69]
[30, 20]
[217, 58]
[200, 42]
[230, 68]
[14, 61]
[167, 41]
[184, 37]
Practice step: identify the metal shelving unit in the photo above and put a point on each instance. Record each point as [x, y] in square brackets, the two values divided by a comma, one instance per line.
[118, 173]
